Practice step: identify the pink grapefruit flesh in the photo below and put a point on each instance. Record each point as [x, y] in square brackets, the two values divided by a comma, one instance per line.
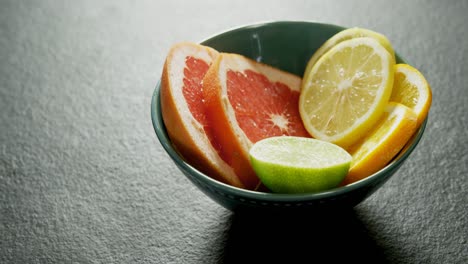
[263, 108]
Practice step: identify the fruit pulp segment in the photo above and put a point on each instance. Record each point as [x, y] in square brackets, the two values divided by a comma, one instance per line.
[263, 108]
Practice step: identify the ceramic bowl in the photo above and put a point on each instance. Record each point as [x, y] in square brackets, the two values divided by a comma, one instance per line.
[287, 45]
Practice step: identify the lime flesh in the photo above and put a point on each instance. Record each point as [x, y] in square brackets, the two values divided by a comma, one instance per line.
[287, 164]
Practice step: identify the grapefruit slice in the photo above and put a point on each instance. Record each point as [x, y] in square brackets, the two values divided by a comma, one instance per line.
[248, 101]
[183, 110]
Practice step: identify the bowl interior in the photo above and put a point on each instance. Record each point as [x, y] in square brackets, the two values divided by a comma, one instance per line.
[288, 46]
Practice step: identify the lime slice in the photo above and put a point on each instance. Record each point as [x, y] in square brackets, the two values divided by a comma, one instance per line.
[287, 164]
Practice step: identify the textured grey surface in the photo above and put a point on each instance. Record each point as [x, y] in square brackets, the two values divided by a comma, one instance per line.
[83, 178]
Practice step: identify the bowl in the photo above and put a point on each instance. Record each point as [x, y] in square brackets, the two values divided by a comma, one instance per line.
[287, 45]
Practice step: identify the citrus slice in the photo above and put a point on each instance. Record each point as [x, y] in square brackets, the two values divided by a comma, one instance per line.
[383, 143]
[347, 34]
[299, 165]
[411, 89]
[248, 101]
[347, 91]
[183, 110]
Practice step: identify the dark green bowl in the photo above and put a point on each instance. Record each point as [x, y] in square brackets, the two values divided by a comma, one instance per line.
[288, 46]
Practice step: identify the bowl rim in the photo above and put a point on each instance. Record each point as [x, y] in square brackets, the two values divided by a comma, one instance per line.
[268, 23]
[159, 128]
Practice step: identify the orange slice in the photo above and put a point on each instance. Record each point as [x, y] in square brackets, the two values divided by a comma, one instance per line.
[382, 143]
[411, 89]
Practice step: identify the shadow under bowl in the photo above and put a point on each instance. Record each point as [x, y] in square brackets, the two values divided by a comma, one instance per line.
[287, 45]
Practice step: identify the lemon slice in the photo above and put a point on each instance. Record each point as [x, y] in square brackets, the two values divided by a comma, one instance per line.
[382, 143]
[287, 164]
[411, 89]
[347, 34]
[347, 90]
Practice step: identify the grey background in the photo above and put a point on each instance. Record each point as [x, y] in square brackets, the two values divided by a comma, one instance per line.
[83, 178]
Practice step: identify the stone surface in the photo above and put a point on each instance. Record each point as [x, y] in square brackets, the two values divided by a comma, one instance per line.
[83, 178]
